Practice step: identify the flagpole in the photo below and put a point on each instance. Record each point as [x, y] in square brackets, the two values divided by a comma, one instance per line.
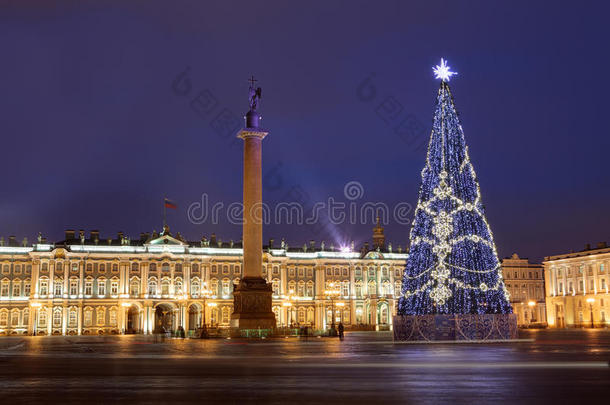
[164, 213]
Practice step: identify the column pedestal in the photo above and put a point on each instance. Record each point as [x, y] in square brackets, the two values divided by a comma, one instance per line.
[252, 305]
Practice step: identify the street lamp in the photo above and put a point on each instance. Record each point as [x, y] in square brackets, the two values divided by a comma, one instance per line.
[531, 304]
[591, 301]
[331, 293]
[288, 304]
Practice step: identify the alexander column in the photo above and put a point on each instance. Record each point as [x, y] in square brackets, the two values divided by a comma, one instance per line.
[252, 297]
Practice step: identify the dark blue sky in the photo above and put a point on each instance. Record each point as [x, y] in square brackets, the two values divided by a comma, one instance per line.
[94, 135]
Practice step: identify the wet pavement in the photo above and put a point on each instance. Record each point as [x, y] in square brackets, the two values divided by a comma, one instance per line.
[560, 366]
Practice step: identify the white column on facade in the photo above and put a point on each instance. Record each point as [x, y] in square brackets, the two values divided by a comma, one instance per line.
[80, 319]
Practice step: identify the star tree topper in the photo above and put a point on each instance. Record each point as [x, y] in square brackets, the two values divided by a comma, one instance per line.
[443, 71]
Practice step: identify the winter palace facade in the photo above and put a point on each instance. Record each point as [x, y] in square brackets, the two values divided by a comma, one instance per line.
[89, 285]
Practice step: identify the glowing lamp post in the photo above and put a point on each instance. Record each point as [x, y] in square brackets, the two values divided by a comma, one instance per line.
[332, 293]
[591, 301]
[531, 304]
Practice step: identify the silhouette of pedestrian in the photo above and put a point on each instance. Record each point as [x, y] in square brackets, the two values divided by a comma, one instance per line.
[341, 329]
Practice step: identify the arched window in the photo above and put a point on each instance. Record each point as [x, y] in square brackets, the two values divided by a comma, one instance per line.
[372, 290]
[195, 287]
[72, 317]
[73, 286]
[135, 267]
[25, 319]
[152, 286]
[101, 287]
[345, 288]
[310, 315]
[14, 317]
[386, 288]
[359, 289]
[225, 286]
[178, 267]
[214, 286]
[89, 286]
[346, 316]
[56, 317]
[100, 313]
[165, 267]
[45, 266]
[4, 317]
[165, 286]
[43, 286]
[27, 286]
[58, 285]
[114, 286]
[301, 289]
[383, 319]
[16, 288]
[309, 291]
[59, 266]
[134, 287]
[115, 268]
[42, 317]
[88, 316]
[178, 286]
[195, 268]
[4, 287]
[225, 315]
[112, 316]
[291, 287]
[153, 267]
[275, 284]
[397, 288]
[301, 315]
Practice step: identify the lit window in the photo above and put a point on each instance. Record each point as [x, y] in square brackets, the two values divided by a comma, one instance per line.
[112, 316]
[88, 318]
[101, 316]
[57, 287]
[26, 288]
[101, 287]
[114, 287]
[16, 288]
[73, 286]
[57, 318]
[72, 317]
[44, 286]
[88, 287]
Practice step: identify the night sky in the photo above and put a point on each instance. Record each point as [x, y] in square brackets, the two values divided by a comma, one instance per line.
[97, 128]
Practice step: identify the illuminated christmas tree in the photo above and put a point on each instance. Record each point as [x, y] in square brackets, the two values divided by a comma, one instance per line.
[453, 266]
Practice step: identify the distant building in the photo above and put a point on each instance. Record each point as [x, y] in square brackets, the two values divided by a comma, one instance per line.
[94, 285]
[577, 288]
[525, 283]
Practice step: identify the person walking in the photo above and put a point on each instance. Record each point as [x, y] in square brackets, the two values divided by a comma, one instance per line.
[341, 329]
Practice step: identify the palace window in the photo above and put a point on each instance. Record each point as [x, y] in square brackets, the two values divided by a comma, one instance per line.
[603, 283]
[5, 269]
[72, 317]
[178, 267]
[560, 287]
[225, 315]
[291, 272]
[74, 266]
[27, 286]
[135, 267]
[581, 285]
[345, 288]
[101, 315]
[178, 286]
[59, 266]
[134, 287]
[601, 268]
[26, 317]
[214, 269]
[112, 317]
[45, 267]
[14, 317]
[115, 268]
[225, 269]
[309, 289]
[301, 289]
[195, 268]
[58, 284]
[88, 317]
[275, 284]
[16, 288]
[238, 269]
[101, 287]
[301, 315]
[42, 317]
[225, 287]
[4, 318]
[165, 287]
[73, 286]
[88, 287]
[195, 288]
[337, 272]
[291, 287]
[276, 270]
[372, 288]
[153, 267]
[214, 287]
[17, 269]
[89, 268]
[571, 287]
[397, 288]
[43, 286]
[358, 290]
[329, 272]
[310, 315]
[57, 318]
[152, 287]
[358, 272]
